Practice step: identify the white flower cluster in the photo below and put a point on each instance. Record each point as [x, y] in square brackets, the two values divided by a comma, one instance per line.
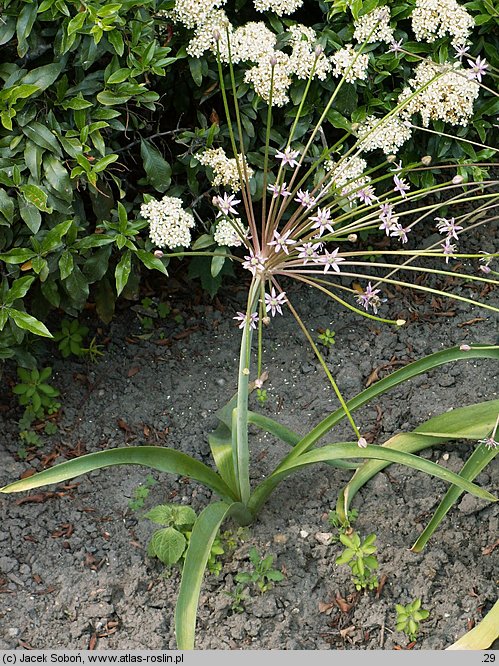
[304, 54]
[280, 7]
[449, 98]
[169, 223]
[387, 134]
[374, 27]
[204, 36]
[225, 171]
[194, 12]
[434, 18]
[252, 41]
[260, 76]
[229, 232]
[350, 63]
[347, 175]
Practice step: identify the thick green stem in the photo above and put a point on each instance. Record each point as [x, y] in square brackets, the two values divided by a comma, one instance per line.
[240, 448]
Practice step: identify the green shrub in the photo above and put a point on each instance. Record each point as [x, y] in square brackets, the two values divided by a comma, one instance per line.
[102, 107]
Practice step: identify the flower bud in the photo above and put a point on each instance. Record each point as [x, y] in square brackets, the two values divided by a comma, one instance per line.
[266, 320]
[158, 254]
[352, 238]
[485, 269]
[258, 383]
[246, 371]
[426, 160]
[400, 322]
[216, 35]
[362, 443]
[391, 158]
[457, 180]
[318, 50]
[273, 60]
[465, 348]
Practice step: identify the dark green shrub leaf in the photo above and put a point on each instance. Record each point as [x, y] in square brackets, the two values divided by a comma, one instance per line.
[156, 167]
[6, 206]
[43, 137]
[150, 261]
[105, 300]
[76, 286]
[30, 214]
[58, 177]
[24, 25]
[196, 68]
[33, 158]
[19, 289]
[29, 323]
[54, 237]
[36, 196]
[116, 40]
[65, 264]
[76, 23]
[122, 272]
[43, 77]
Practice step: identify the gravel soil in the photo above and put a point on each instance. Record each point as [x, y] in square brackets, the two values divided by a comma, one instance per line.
[74, 572]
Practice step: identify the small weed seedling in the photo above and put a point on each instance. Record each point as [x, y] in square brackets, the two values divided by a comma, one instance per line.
[232, 538]
[35, 394]
[342, 526]
[409, 617]
[238, 598]
[261, 396]
[70, 337]
[38, 399]
[170, 543]
[93, 351]
[262, 576]
[141, 493]
[359, 555]
[326, 338]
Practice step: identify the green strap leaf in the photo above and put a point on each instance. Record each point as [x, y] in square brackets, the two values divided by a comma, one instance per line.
[204, 531]
[478, 460]
[220, 441]
[398, 377]
[483, 635]
[162, 459]
[351, 450]
[474, 422]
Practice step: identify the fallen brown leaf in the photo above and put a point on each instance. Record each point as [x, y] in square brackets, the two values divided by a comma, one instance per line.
[123, 425]
[488, 550]
[470, 322]
[27, 473]
[325, 607]
[344, 633]
[37, 499]
[381, 585]
[343, 604]
[133, 371]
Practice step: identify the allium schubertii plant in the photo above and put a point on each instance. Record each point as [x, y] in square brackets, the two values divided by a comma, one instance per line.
[303, 221]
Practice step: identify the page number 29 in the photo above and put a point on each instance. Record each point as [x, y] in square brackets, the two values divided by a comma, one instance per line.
[489, 658]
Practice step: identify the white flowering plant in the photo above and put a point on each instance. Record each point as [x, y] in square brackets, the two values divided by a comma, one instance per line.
[402, 44]
[314, 201]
